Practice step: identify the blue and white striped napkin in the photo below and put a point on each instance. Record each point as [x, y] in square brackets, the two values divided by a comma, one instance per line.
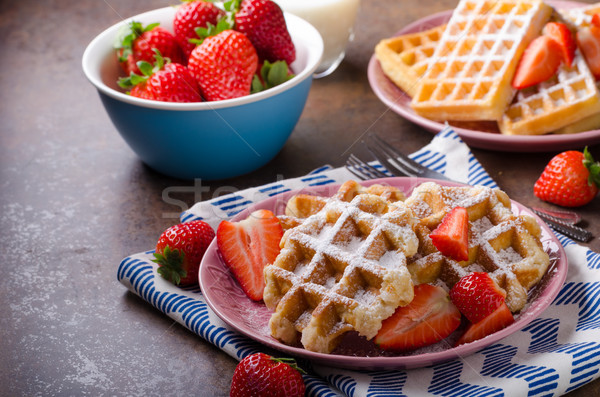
[554, 354]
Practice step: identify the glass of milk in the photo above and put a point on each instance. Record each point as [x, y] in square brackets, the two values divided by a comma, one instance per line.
[334, 19]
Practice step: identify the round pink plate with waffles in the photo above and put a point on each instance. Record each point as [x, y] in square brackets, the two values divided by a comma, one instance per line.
[484, 135]
[226, 298]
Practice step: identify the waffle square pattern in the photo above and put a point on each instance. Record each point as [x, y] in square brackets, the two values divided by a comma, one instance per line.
[404, 59]
[342, 269]
[502, 244]
[352, 259]
[470, 73]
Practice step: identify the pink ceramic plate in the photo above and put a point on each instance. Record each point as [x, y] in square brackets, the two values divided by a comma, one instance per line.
[228, 301]
[486, 136]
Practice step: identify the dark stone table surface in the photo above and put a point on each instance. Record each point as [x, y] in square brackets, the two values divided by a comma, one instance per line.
[75, 200]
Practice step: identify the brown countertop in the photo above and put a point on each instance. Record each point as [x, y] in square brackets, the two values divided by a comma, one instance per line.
[75, 200]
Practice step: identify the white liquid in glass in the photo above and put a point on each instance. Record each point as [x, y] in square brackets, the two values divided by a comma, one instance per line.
[334, 19]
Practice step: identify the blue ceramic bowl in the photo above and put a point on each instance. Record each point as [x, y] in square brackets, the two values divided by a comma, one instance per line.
[207, 140]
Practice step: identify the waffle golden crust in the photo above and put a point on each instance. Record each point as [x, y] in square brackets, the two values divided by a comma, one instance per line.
[354, 258]
[404, 59]
[301, 206]
[470, 73]
[506, 246]
[562, 102]
[342, 269]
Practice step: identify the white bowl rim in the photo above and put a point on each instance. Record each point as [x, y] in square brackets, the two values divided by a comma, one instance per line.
[90, 65]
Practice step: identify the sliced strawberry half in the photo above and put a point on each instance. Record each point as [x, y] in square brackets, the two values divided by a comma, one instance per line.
[427, 319]
[563, 36]
[248, 246]
[499, 319]
[451, 237]
[477, 296]
[539, 62]
[588, 40]
[596, 20]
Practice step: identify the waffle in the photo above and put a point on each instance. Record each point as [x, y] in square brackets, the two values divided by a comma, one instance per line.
[502, 244]
[470, 73]
[567, 98]
[580, 16]
[342, 269]
[301, 206]
[404, 59]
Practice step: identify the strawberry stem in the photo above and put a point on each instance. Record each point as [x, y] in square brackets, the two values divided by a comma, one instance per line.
[289, 361]
[593, 167]
[147, 70]
[170, 264]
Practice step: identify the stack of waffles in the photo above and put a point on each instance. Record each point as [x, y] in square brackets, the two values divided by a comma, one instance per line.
[462, 71]
[347, 262]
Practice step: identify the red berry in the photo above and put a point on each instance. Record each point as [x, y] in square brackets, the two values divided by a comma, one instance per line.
[499, 319]
[264, 24]
[260, 375]
[140, 42]
[539, 62]
[180, 249]
[248, 246]
[427, 319]
[224, 65]
[571, 179]
[588, 40]
[191, 15]
[451, 237]
[174, 83]
[476, 295]
[168, 83]
[563, 36]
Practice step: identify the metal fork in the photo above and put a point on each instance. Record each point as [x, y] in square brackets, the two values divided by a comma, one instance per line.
[399, 164]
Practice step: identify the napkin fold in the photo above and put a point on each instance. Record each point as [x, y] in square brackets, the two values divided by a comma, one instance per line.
[556, 353]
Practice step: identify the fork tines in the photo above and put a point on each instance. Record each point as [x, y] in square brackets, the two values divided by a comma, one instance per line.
[362, 169]
[392, 159]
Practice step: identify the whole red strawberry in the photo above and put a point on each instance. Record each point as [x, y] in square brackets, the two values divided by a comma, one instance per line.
[224, 65]
[263, 22]
[571, 179]
[180, 249]
[190, 15]
[139, 42]
[477, 295]
[168, 83]
[261, 375]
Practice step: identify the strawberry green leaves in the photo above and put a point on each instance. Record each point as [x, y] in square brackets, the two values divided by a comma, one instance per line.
[170, 264]
[271, 75]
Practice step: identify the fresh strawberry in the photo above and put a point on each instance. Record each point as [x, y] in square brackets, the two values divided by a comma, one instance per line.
[571, 179]
[139, 42]
[248, 246]
[427, 319]
[563, 36]
[499, 319]
[588, 40]
[262, 375]
[476, 296]
[451, 236]
[180, 249]
[189, 16]
[539, 62]
[139, 89]
[596, 20]
[224, 65]
[264, 24]
[168, 83]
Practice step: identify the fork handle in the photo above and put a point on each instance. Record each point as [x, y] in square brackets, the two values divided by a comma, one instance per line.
[572, 231]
